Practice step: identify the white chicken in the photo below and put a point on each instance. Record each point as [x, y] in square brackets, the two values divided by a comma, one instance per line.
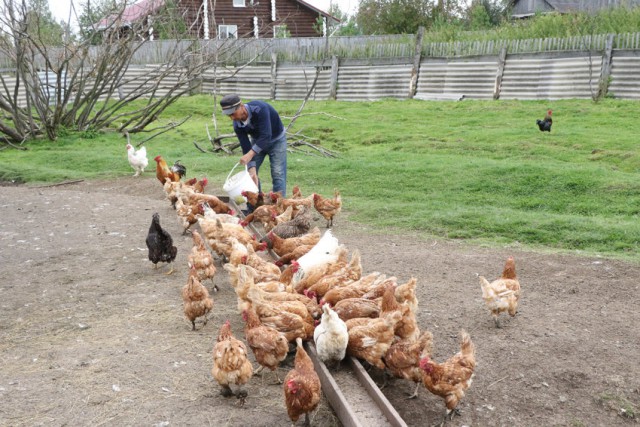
[137, 159]
[326, 251]
[331, 337]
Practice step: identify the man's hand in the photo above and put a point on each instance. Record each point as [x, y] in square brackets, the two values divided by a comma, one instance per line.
[244, 160]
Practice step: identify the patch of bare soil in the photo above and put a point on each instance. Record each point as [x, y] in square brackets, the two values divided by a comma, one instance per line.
[91, 334]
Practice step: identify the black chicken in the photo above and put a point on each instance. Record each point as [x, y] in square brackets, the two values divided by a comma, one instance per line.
[545, 124]
[179, 168]
[160, 244]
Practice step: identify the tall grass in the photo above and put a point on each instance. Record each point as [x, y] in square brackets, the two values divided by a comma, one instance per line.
[614, 20]
[474, 170]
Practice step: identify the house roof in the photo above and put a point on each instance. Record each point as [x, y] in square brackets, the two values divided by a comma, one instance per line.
[133, 13]
[320, 11]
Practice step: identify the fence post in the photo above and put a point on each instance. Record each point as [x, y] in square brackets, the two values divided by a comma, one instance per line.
[502, 57]
[333, 84]
[605, 71]
[274, 74]
[415, 70]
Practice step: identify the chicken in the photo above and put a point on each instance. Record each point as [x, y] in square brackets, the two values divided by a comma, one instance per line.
[246, 278]
[219, 236]
[327, 207]
[214, 202]
[406, 293]
[179, 168]
[296, 193]
[407, 327]
[301, 387]
[137, 159]
[351, 308]
[163, 172]
[269, 346]
[282, 204]
[160, 244]
[284, 246]
[452, 378]
[293, 255]
[347, 274]
[297, 226]
[253, 198]
[231, 365]
[209, 213]
[201, 259]
[326, 251]
[264, 214]
[285, 216]
[403, 358]
[196, 299]
[331, 337]
[503, 294]
[272, 307]
[370, 286]
[545, 124]
[188, 214]
[369, 339]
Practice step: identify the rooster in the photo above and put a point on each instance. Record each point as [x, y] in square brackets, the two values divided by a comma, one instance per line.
[137, 159]
[301, 387]
[179, 168]
[545, 124]
[503, 293]
[160, 244]
[453, 377]
[231, 365]
[331, 337]
[163, 172]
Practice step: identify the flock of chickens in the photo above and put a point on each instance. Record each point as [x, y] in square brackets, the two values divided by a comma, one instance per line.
[314, 290]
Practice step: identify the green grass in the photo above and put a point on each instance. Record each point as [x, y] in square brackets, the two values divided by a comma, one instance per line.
[473, 170]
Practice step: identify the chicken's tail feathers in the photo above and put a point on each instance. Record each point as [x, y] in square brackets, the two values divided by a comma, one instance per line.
[467, 347]
[142, 151]
[509, 271]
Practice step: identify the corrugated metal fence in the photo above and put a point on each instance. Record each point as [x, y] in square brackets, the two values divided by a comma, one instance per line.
[532, 69]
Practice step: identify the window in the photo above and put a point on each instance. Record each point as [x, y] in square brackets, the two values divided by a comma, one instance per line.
[281, 32]
[228, 32]
[238, 3]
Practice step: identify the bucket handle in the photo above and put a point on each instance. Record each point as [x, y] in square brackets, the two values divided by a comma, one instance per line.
[228, 176]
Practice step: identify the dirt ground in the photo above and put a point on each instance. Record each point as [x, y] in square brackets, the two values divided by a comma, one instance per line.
[90, 334]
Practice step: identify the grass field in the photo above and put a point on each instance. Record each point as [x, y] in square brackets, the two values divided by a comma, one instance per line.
[474, 170]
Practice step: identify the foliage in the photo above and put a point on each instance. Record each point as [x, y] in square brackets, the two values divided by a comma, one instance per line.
[282, 31]
[474, 170]
[393, 16]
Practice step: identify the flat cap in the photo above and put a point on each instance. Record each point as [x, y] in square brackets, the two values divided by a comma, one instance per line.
[230, 103]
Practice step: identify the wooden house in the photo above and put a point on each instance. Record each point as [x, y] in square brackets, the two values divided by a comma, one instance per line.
[527, 8]
[229, 19]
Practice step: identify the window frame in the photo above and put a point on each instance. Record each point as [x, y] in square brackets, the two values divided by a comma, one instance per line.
[226, 32]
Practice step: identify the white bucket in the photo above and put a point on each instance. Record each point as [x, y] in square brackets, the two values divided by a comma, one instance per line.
[236, 184]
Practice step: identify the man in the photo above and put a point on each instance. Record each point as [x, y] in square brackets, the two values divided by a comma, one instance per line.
[261, 133]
